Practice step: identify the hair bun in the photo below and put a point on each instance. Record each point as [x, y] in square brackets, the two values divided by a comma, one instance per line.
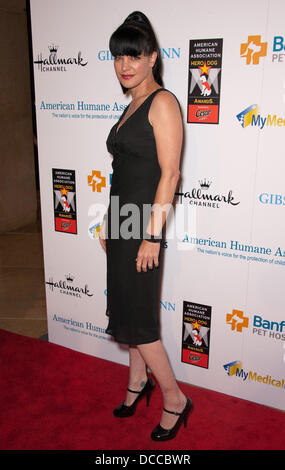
[137, 17]
[136, 36]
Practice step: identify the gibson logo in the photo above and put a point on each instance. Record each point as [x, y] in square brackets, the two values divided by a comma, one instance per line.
[55, 64]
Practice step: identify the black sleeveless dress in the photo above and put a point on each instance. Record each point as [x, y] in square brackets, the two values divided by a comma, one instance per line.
[132, 296]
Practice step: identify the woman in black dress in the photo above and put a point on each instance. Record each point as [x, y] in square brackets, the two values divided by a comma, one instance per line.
[146, 146]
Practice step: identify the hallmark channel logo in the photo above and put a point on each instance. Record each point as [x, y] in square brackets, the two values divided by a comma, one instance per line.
[68, 287]
[253, 50]
[251, 116]
[202, 196]
[53, 63]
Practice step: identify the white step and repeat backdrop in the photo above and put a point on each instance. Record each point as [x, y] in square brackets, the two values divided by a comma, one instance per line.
[222, 294]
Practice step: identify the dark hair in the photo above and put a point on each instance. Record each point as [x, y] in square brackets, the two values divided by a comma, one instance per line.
[134, 37]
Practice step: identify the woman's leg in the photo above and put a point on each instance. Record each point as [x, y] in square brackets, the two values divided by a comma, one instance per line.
[137, 374]
[154, 355]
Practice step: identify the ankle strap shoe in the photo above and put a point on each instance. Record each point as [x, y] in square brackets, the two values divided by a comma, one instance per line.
[161, 434]
[124, 411]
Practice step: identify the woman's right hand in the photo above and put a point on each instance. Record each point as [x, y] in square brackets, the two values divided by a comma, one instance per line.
[102, 235]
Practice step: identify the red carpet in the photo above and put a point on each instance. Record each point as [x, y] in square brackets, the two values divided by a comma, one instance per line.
[53, 398]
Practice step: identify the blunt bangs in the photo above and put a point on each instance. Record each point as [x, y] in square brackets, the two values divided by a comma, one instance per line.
[129, 40]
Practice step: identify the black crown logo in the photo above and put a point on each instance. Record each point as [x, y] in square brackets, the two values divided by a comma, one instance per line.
[205, 184]
[53, 49]
[69, 278]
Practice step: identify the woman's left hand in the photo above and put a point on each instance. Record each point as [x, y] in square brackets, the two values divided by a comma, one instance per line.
[147, 255]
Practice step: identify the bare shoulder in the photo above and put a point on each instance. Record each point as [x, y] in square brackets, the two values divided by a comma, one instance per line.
[164, 104]
[165, 99]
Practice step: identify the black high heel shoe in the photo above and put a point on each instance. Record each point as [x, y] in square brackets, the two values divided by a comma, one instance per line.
[161, 434]
[124, 411]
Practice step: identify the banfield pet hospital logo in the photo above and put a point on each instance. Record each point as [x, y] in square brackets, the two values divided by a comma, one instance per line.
[253, 49]
[237, 320]
[96, 181]
[272, 329]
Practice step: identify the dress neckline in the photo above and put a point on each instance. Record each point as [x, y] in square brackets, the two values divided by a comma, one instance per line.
[117, 129]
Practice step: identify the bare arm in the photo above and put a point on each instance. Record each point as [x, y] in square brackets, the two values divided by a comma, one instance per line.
[166, 120]
[165, 117]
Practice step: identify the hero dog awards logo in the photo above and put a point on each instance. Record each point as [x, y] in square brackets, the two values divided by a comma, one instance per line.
[64, 190]
[205, 65]
[196, 334]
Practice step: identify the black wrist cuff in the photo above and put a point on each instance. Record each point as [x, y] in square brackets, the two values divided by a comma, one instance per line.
[152, 238]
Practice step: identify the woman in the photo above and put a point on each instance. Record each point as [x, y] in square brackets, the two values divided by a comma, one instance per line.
[146, 145]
